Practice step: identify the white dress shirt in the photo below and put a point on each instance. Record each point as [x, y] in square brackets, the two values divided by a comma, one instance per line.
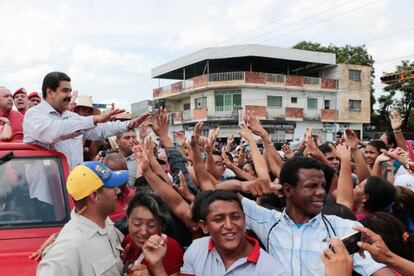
[65, 132]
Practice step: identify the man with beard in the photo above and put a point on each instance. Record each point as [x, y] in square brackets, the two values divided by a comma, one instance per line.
[52, 126]
[88, 244]
[125, 143]
[227, 251]
[9, 116]
[20, 100]
[299, 235]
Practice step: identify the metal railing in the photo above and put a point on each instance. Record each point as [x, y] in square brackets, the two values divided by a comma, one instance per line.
[186, 115]
[270, 77]
[226, 76]
[312, 80]
[222, 108]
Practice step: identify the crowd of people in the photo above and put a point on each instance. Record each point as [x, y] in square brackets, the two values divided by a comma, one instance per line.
[178, 206]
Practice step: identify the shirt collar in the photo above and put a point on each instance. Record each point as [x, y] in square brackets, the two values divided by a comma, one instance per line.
[290, 222]
[254, 254]
[50, 109]
[89, 227]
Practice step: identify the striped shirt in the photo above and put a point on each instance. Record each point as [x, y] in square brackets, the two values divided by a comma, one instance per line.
[300, 248]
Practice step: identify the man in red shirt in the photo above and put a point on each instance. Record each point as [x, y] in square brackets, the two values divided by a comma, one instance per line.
[34, 99]
[15, 117]
[20, 100]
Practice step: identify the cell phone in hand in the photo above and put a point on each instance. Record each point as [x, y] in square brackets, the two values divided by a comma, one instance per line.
[350, 242]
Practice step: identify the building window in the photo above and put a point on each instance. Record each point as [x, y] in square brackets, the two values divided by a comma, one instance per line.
[312, 103]
[293, 100]
[201, 102]
[186, 106]
[274, 101]
[355, 105]
[327, 104]
[355, 75]
[227, 101]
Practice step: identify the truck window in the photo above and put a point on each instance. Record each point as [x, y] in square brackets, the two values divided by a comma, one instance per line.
[32, 193]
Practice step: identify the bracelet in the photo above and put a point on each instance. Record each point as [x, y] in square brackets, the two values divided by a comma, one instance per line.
[397, 130]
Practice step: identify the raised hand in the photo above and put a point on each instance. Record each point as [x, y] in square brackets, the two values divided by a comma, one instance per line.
[374, 244]
[160, 123]
[397, 154]
[247, 134]
[141, 157]
[154, 249]
[182, 189]
[138, 121]
[180, 137]
[342, 151]
[337, 261]
[287, 151]
[107, 116]
[351, 139]
[396, 120]
[257, 187]
[254, 125]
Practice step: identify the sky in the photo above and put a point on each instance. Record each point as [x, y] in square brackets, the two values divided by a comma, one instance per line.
[108, 48]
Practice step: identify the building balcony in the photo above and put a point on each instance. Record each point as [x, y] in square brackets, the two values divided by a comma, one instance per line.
[328, 115]
[244, 78]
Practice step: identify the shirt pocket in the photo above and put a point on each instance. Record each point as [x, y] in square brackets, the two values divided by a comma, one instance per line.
[106, 266]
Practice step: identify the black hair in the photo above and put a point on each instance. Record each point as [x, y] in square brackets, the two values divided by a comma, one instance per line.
[51, 80]
[229, 155]
[378, 144]
[216, 152]
[196, 209]
[381, 194]
[329, 174]
[153, 203]
[391, 231]
[290, 169]
[403, 208]
[217, 195]
[251, 164]
[330, 207]
[324, 148]
[392, 143]
[272, 202]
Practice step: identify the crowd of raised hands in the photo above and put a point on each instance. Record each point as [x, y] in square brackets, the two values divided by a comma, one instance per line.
[244, 167]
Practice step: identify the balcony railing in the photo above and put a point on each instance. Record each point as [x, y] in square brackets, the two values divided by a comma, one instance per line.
[244, 77]
[224, 108]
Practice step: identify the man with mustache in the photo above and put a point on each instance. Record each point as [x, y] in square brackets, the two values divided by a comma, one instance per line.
[52, 126]
[20, 100]
[9, 116]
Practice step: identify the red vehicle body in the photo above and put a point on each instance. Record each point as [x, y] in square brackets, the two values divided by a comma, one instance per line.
[20, 236]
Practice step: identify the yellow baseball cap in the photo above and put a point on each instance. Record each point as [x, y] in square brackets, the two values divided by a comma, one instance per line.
[88, 177]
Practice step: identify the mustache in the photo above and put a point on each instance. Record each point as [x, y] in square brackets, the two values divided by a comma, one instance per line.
[67, 99]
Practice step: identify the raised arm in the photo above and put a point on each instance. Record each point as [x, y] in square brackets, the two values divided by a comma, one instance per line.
[258, 159]
[362, 169]
[237, 171]
[155, 166]
[205, 180]
[312, 149]
[345, 191]
[209, 147]
[275, 162]
[396, 124]
[174, 201]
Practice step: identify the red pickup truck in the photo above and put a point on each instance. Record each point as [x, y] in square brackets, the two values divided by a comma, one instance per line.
[33, 203]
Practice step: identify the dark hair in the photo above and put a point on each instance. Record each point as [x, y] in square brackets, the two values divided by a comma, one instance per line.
[378, 144]
[272, 202]
[392, 143]
[381, 194]
[216, 152]
[217, 195]
[51, 80]
[324, 148]
[251, 164]
[153, 203]
[329, 174]
[229, 155]
[290, 169]
[330, 207]
[391, 231]
[404, 205]
[196, 209]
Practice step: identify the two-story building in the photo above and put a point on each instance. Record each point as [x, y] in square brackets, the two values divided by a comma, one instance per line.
[289, 89]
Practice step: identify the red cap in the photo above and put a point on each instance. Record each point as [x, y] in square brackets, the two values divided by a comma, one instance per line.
[33, 94]
[19, 91]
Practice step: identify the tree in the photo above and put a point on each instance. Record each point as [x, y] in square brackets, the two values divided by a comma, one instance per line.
[347, 54]
[400, 95]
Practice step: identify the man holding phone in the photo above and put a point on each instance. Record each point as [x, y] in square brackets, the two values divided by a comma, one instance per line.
[300, 234]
